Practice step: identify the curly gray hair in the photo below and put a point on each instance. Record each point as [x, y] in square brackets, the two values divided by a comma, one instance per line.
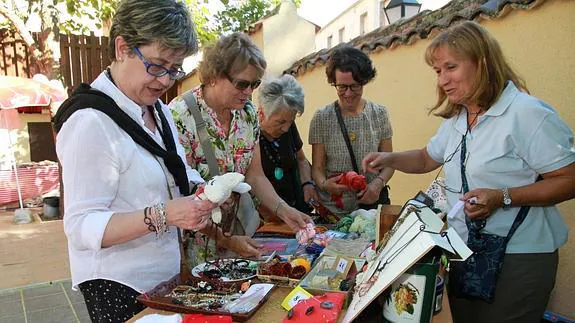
[282, 92]
[142, 22]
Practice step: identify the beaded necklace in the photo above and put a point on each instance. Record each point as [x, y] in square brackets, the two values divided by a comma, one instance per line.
[272, 151]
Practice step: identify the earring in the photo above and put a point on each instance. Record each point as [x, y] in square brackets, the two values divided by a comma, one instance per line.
[121, 59]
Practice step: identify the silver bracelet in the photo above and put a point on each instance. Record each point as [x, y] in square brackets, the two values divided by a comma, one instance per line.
[160, 219]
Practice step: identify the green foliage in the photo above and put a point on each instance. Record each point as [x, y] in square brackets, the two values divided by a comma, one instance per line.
[200, 17]
[237, 16]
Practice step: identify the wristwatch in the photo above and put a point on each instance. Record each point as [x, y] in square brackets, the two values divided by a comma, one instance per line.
[506, 198]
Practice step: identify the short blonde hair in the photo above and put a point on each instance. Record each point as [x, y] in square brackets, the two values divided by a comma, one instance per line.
[142, 22]
[469, 40]
[230, 55]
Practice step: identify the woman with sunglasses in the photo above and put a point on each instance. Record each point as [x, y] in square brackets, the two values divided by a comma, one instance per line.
[123, 202]
[230, 71]
[495, 142]
[368, 129]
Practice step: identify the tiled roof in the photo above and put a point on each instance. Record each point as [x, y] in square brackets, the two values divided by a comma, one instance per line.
[420, 26]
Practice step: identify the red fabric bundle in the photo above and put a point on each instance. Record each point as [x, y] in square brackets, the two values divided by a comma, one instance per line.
[353, 181]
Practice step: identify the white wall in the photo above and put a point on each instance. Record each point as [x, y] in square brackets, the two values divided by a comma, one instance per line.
[286, 38]
[350, 20]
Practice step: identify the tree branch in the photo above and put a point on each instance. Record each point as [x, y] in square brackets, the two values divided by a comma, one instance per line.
[21, 29]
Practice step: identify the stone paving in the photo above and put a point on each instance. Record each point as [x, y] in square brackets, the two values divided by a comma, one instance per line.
[35, 272]
[53, 302]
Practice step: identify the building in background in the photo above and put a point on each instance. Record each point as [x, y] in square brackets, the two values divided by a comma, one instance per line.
[282, 36]
[363, 17]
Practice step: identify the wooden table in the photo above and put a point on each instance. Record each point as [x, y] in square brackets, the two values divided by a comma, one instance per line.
[272, 311]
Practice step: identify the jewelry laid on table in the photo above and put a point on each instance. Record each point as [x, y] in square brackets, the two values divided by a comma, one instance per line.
[195, 298]
[232, 269]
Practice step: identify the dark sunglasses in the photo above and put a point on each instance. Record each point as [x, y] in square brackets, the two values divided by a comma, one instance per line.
[243, 84]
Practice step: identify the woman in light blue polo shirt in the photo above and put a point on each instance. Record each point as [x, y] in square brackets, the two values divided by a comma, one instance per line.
[495, 142]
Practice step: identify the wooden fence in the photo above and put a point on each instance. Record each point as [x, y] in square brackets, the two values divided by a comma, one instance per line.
[82, 59]
[15, 54]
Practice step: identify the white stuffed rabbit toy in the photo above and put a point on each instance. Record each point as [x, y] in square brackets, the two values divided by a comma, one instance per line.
[218, 190]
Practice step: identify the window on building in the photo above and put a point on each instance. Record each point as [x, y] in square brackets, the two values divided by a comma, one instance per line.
[329, 41]
[341, 34]
[362, 23]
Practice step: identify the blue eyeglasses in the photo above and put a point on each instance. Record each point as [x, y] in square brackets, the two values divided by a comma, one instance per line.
[158, 70]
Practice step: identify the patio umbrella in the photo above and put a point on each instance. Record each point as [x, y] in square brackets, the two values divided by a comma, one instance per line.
[18, 92]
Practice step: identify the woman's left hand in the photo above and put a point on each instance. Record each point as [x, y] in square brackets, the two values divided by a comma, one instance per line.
[309, 194]
[243, 246]
[370, 194]
[487, 201]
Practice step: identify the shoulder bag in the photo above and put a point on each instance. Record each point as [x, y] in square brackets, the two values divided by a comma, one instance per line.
[243, 209]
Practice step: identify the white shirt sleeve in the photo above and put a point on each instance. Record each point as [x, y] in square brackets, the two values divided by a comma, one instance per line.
[91, 170]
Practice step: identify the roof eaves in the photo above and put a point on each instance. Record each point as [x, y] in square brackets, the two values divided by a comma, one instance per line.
[420, 26]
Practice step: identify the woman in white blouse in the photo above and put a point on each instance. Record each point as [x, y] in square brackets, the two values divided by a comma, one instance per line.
[122, 202]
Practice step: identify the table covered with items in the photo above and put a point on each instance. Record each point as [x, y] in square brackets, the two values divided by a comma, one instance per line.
[385, 265]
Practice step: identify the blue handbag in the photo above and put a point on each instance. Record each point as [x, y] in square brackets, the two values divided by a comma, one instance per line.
[476, 277]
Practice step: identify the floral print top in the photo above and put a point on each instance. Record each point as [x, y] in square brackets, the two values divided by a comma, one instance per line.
[233, 153]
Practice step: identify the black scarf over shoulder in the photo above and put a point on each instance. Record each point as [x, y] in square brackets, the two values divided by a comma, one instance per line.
[87, 97]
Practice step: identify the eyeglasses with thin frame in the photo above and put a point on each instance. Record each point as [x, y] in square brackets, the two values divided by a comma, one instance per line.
[344, 87]
[158, 70]
[242, 85]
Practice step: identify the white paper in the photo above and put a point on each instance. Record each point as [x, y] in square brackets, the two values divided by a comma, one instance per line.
[455, 210]
[259, 289]
[157, 318]
[250, 299]
[460, 247]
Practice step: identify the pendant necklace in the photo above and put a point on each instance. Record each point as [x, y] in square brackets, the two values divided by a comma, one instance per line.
[365, 285]
[272, 151]
[278, 171]
[352, 136]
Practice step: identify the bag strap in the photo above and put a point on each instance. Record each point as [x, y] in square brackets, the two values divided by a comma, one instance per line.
[201, 128]
[345, 136]
[521, 215]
